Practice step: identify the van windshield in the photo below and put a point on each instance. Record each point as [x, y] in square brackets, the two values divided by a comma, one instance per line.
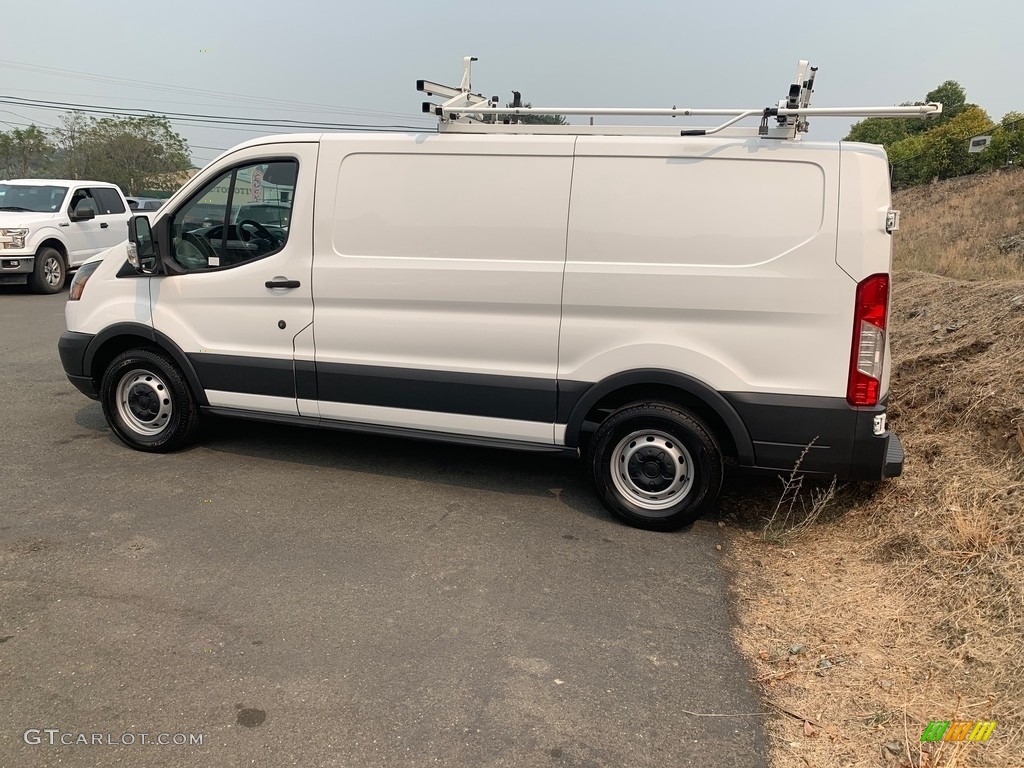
[36, 198]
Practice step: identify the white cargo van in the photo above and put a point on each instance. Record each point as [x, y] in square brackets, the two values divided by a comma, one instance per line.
[660, 304]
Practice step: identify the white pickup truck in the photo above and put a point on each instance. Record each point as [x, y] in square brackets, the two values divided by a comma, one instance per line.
[51, 226]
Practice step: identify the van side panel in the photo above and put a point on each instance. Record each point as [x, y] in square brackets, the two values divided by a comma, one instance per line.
[441, 255]
[715, 259]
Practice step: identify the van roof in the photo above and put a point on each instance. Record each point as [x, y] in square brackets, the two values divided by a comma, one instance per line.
[716, 141]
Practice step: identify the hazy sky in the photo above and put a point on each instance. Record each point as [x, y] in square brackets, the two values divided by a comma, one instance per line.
[367, 56]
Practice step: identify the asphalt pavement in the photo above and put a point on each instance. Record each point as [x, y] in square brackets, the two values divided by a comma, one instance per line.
[315, 598]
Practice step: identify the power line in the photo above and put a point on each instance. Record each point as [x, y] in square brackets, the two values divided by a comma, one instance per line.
[23, 117]
[219, 95]
[320, 109]
[192, 117]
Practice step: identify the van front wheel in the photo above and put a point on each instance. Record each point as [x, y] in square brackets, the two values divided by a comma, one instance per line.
[656, 466]
[148, 403]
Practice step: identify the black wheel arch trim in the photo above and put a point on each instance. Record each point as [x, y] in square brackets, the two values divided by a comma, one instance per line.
[579, 398]
[150, 334]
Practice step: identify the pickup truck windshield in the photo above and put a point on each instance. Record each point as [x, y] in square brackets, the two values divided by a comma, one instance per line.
[37, 198]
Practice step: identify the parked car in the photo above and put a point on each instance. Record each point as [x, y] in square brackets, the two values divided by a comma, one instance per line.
[202, 215]
[137, 204]
[270, 214]
[145, 206]
[51, 226]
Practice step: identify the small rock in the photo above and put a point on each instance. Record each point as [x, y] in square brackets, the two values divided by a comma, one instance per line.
[825, 664]
[954, 327]
[718, 547]
[809, 729]
[251, 718]
[759, 562]
[917, 313]
[1011, 243]
[936, 328]
[893, 748]
[885, 685]
[1017, 302]
[796, 649]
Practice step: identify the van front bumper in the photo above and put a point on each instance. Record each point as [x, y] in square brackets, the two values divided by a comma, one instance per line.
[825, 435]
[72, 347]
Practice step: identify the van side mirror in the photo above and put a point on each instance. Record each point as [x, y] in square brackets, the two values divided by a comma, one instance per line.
[141, 249]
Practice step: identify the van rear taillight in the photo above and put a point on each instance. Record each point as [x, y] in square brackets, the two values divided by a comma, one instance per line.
[868, 353]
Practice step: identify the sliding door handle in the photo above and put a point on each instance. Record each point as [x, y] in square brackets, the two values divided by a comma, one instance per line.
[279, 283]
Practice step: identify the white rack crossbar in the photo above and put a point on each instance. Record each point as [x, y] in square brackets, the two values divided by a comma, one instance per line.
[473, 113]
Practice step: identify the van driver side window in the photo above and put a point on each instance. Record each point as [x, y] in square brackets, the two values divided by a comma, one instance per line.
[241, 216]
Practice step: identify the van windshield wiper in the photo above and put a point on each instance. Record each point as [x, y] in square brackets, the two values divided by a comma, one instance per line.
[16, 208]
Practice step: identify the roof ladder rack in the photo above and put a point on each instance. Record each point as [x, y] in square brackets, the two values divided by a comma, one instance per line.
[466, 112]
[459, 98]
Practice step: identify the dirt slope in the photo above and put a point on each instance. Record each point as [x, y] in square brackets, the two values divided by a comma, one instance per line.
[971, 227]
[907, 605]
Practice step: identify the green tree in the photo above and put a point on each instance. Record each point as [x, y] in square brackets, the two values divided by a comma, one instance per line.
[907, 160]
[941, 152]
[946, 145]
[134, 152]
[67, 140]
[533, 119]
[922, 150]
[887, 131]
[1007, 147]
[25, 152]
[953, 98]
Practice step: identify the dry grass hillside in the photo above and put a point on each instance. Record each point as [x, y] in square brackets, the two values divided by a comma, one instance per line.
[968, 228]
[893, 609]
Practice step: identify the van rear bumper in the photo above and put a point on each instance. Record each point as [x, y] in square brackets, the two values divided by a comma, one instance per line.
[839, 439]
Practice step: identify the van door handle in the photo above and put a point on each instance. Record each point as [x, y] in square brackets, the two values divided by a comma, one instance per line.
[282, 283]
[103, 225]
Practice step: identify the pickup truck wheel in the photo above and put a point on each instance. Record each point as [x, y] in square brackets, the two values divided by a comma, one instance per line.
[148, 403]
[49, 272]
[656, 466]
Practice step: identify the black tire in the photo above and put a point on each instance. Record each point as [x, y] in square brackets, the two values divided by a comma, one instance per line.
[49, 273]
[667, 466]
[148, 403]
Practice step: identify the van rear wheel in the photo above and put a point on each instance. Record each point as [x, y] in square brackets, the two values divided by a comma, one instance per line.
[148, 403]
[656, 466]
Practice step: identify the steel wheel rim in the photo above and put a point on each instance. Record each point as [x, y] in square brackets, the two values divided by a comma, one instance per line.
[651, 469]
[144, 402]
[52, 270]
